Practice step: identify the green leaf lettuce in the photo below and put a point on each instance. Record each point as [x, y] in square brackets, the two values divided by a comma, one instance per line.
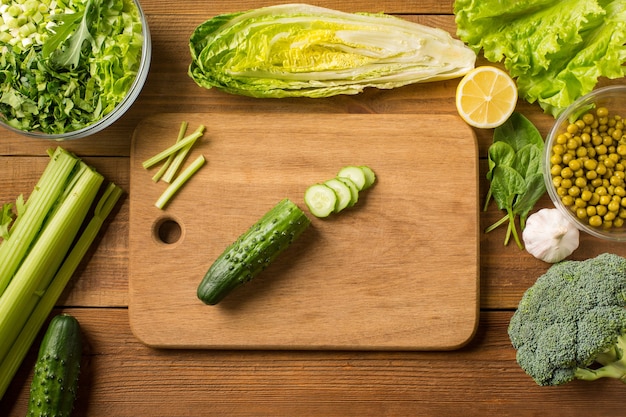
[556, 49]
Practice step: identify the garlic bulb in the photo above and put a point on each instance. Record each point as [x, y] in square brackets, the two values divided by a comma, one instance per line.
[550, 236]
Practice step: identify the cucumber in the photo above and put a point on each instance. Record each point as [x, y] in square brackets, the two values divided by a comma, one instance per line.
[343, 192]
[354, 190]
[321, 200]
[55, 379]
[370, 176]
[356, 174]
[253, 251]
[347, 185]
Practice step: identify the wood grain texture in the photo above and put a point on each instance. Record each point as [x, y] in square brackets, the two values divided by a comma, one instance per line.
[393, 272]
[122, 377]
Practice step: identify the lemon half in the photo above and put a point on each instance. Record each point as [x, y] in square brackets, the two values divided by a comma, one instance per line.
[486, 97]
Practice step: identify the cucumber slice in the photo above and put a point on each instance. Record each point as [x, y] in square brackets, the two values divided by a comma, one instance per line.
[320, 199]
[356, 174]
[343, 192]
[370, 176]
[354, 190]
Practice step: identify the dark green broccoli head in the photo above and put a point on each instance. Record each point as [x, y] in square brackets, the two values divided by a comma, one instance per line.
[572, 322]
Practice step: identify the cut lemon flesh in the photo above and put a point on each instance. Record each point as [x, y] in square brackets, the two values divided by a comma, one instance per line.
[486, 97]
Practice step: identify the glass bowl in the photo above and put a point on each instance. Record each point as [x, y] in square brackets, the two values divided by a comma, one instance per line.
[121, 107]
[604, 185]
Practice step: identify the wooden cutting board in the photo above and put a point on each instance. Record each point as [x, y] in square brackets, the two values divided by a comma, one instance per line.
[398, 271]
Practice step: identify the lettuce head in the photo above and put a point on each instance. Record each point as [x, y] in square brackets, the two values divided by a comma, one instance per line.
[299, 50]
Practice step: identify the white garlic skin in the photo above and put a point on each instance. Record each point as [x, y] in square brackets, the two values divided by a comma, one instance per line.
[550, 236]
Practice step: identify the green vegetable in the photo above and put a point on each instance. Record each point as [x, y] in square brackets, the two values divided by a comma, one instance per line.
[343, 194]
[168, 162]
[172, 159]
[52, 254]
[6, 218]
[253, 251]
[370, 176]
[515, 172]
[354, 190]
[179, 181]
[571, 324]
[340, 192]
[65, 65]
[55, 379]
[300, 50]
[356, 174]
[556, 49]
[321, 200]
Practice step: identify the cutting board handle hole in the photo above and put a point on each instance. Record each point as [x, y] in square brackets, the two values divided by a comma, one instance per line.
[168, 231]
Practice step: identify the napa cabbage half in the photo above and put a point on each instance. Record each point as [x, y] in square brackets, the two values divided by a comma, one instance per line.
[299, 50]
[556, 49]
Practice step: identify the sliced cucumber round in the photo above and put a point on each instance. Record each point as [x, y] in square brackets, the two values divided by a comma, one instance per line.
[320, 199]
[370, 176]
[343, 192]
[340, 192]
[354, 190]
[356, 174]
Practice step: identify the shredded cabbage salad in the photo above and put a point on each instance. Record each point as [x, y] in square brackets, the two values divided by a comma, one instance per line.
[65, 64]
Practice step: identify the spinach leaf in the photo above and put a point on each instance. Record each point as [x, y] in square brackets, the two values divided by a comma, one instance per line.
[515, 172]
[518, 132]
[500, 154]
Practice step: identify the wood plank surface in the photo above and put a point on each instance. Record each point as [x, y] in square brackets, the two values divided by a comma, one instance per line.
[123, 377]
[392, 272]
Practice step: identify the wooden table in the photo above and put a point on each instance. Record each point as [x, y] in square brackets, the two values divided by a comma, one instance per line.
[121, 377]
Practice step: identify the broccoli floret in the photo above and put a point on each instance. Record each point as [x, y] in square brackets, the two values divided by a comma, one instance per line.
[571, 324]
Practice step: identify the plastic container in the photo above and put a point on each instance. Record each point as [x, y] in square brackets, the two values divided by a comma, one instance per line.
[614, 99]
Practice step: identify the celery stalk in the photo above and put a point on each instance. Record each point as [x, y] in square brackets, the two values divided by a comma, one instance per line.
[19, 349]
[179, 182]
[172, 149]
[46, 255]
[168, 161]
[27, 226]
[179, 158]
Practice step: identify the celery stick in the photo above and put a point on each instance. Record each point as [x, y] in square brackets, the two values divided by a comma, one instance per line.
[171, 150]
[27, 226]
[22, 344]
[178, 160]
[168, 161]
[180, 180]
[45, 257]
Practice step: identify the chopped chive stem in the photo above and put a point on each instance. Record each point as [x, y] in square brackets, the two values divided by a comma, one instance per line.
[180, 180]
[172, 149]
[46, 255]
[21, 346]
[27, 226]
[181, 134]
[179, 159]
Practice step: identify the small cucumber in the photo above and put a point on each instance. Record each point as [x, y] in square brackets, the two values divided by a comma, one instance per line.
[253, 251]
[321, 200]
[55, 379]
